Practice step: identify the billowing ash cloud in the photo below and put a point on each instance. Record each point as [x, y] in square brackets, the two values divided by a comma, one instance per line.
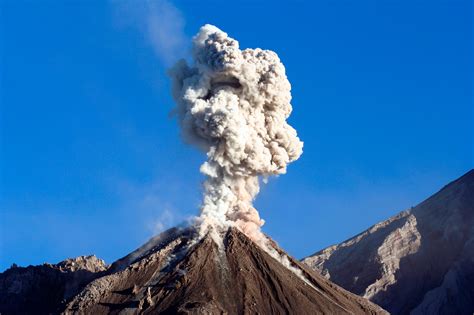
[233, 104]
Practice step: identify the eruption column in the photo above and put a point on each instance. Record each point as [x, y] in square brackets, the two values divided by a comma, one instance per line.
[233, 104]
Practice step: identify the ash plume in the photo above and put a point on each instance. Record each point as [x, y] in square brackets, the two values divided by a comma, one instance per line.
[233, 104]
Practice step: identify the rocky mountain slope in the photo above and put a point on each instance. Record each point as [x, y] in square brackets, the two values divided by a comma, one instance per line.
[420, 261]
[175, 274]
[43, 289]
[237, 277]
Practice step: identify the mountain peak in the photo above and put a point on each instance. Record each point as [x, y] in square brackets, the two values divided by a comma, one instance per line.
[234, 277]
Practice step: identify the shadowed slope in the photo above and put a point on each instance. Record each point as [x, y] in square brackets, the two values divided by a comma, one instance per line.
[43, 289]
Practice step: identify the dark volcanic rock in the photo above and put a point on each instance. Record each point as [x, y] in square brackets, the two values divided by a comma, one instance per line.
[420, 261]
[42, 289]
[236, 278]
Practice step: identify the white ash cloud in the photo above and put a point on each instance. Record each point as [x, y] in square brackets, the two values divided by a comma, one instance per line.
[233, 104]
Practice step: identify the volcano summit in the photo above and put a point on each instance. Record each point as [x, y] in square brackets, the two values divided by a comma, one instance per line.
[238, 278]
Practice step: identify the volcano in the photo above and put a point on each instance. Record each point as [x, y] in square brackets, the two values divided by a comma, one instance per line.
[171, 275]
[178, 273]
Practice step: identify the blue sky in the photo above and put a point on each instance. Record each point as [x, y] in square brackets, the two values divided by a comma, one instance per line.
[91, 162]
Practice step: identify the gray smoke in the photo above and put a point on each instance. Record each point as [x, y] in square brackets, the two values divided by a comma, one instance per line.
[233, 104]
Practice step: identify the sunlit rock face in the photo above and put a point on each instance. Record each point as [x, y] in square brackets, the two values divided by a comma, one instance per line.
[420, 261]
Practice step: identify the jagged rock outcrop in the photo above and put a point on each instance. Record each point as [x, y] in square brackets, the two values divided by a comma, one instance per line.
[420, 261]
[44, 289]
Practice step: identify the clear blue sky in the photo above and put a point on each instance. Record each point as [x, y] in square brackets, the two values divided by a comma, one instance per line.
[92, 163]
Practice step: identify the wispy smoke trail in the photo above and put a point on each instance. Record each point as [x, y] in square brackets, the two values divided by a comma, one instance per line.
[233, 104]
[160, 22]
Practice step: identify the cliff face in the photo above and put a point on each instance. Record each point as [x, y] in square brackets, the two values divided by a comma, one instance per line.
[420, 261]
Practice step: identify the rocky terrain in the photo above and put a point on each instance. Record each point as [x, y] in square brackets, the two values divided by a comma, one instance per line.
[237, 278]
[174, 274]
[44, 289]
[420, 261]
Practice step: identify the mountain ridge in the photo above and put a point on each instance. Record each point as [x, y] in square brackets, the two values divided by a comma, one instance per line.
[418, 261]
